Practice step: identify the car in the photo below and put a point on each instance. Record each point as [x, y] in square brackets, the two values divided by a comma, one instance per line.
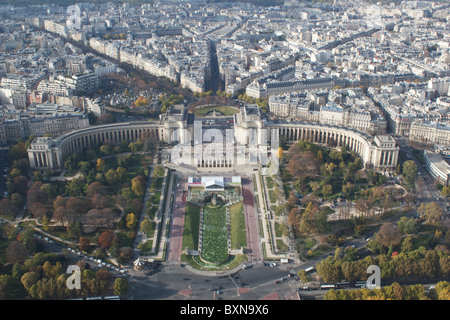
[306, 288]
[246, 266]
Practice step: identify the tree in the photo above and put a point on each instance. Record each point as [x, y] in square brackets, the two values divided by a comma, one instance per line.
[37, 209]
[388, 235]
[328, 270]
[59, 202]
[303, 275]
[432, 211]
[307, 223]
[141, 101]
[147, 226]
[106, 239]
[407, 225]
[445, 191]
[327, 190]
[95, 188]
[125, 254]
[131, 221]
[16, 252]
[45, 222]
[363, 207]
[136, 146]
[388, 203]
[121, 286]
[122, 174]
[29, 279]
[409, 171]
[71, 162]
[294, 218]
[100, 166]
[104, 275]
[19, 185]
[75, 229]
[158, 171]
[138, 185]
[407, 244]
[35, 194]
[18, 151]
[52, 271]
[111, 177]
[74, 188]
[80, 206]
[7, 287]
[84, 243]
[99, 202]
[105, 150]
[59, 215]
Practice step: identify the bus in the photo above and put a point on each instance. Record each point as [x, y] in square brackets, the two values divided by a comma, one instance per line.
[327, 286]
[309, 269]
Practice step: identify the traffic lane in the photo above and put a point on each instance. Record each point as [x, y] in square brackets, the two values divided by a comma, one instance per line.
[73, 257]
[172, 278]
[253, 243]
[260, 275]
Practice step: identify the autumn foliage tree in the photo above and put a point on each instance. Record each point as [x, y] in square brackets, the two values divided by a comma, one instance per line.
[138, 185]
[106, 239]
[84, 243]
[389, 234]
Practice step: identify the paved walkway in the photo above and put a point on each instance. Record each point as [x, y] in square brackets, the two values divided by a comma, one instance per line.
[175, 248]
[251, 222]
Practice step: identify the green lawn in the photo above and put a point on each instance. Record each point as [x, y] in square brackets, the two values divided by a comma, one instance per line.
[279, 227]
[235, 261]
[270, 182]
[146, 247]
[151, 212]
[214, 244]
[154, 198]
[272, 196]
[221, 110]
[237, 219]
[309, 242]
[281, 245]
[157, 183]
[124, 239]
[191, 226]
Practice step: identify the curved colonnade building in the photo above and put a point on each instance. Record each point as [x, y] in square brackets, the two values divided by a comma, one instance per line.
[251, 131]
